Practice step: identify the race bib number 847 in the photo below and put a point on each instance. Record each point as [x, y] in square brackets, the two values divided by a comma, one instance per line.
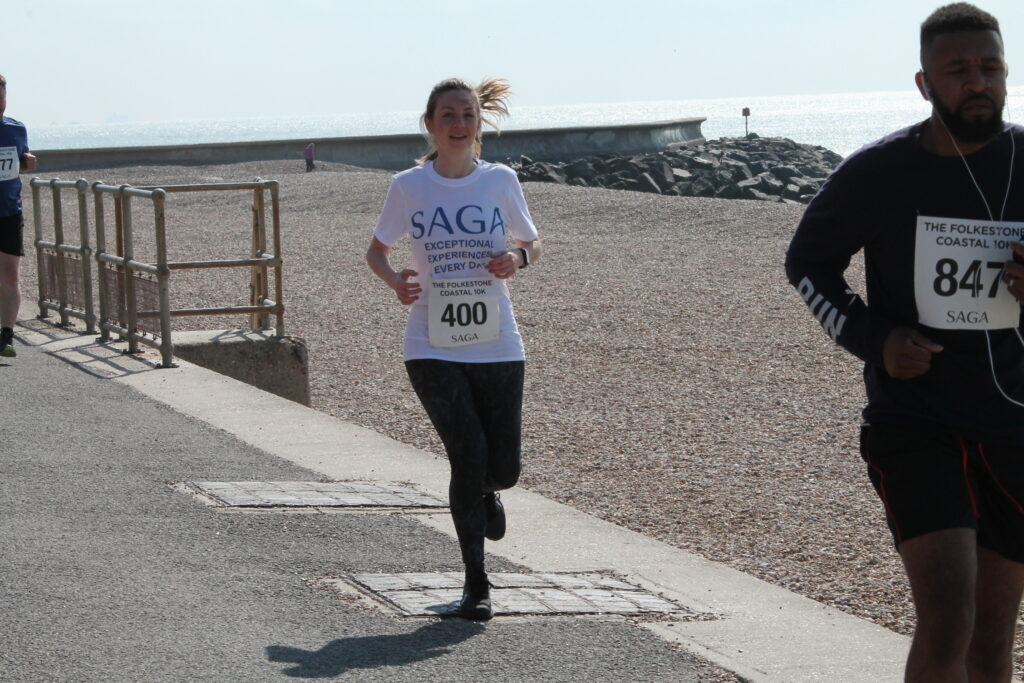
[958, 264]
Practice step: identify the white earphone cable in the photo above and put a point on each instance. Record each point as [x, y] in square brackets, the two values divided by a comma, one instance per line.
[1002, 213]
[992, 366]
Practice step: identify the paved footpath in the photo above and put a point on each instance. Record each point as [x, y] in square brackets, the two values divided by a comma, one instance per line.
[108, 573]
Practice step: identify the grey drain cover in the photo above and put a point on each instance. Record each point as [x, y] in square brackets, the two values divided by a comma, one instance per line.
[258, 494]
[515, 594]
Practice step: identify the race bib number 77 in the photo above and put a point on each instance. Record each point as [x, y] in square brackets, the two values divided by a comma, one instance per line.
[9, 163]
[958, 264]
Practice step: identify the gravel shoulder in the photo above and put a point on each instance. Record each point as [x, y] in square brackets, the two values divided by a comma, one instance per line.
[676, 384]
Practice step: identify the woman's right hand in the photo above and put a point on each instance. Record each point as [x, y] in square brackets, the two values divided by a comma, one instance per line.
[377, 259]
[407, 292]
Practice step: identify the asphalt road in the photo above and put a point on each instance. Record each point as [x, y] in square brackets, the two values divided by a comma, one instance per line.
[109, 574]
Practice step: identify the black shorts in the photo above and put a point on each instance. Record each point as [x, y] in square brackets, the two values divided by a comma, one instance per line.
[12, 240]
[929, 481]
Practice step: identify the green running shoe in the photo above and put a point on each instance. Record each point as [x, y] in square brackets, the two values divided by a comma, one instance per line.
[7, 345]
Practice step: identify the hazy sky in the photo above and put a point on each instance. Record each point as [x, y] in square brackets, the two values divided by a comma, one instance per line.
[67, 60]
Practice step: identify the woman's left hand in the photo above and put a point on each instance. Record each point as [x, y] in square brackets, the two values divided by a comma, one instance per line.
[505, 264]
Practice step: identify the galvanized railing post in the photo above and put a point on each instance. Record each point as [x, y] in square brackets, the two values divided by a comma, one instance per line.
[101, 268]
[82, 185]
[58, 231]
[259, 247]
[37, 218]
[122, 306]
[254, 273]
[275, 215]
[129, 278]
[163, 280]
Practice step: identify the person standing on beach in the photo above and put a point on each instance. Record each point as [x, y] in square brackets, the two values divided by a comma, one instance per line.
[463, 352]
[309, 154]
[939, 210]
[14, 158]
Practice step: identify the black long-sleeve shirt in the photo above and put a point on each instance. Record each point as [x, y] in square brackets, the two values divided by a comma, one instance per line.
[875, 201]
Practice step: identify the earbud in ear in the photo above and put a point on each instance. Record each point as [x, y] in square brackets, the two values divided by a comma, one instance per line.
[924, 86]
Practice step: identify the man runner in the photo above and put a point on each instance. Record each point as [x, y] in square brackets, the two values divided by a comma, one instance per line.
[14, 158]
[938, 209]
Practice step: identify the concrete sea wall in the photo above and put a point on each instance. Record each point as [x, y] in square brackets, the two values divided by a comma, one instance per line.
[395, 152]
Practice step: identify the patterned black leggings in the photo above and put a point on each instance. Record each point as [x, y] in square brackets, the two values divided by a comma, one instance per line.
[476, 409]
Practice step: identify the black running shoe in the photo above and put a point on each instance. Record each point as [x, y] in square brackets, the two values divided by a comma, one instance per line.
[495, 530]
[476, 601]
[7, 344]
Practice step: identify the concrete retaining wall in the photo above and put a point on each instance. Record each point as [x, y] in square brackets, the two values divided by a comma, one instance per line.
[394, 152]
[279, 365]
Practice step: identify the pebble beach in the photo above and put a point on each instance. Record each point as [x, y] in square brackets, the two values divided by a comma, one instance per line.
[676, 384]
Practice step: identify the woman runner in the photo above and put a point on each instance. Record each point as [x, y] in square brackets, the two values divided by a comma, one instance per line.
[462, 347]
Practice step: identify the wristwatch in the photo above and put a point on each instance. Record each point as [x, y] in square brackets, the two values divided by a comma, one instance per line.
[526, 257]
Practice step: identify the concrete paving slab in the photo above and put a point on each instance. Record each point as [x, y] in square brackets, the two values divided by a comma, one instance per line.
[259, 494]
[517, 594]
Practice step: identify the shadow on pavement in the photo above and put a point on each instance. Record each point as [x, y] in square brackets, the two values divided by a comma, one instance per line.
[371, 652]
[105, 360]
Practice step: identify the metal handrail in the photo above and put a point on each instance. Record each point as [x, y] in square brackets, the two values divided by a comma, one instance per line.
[267, 259]
[261, 304]
[260, 261]
[122, 195]
[66, 311]
[257, 184]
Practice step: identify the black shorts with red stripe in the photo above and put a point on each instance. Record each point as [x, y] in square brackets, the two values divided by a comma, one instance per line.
[929, 481]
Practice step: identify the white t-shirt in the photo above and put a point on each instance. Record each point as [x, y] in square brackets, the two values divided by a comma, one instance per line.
[455, 224]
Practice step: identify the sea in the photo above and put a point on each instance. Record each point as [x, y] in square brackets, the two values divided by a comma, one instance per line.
[839, 122]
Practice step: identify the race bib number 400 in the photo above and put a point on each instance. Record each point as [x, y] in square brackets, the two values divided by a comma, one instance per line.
[9, 163]
[463, 312]
[958, 264]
